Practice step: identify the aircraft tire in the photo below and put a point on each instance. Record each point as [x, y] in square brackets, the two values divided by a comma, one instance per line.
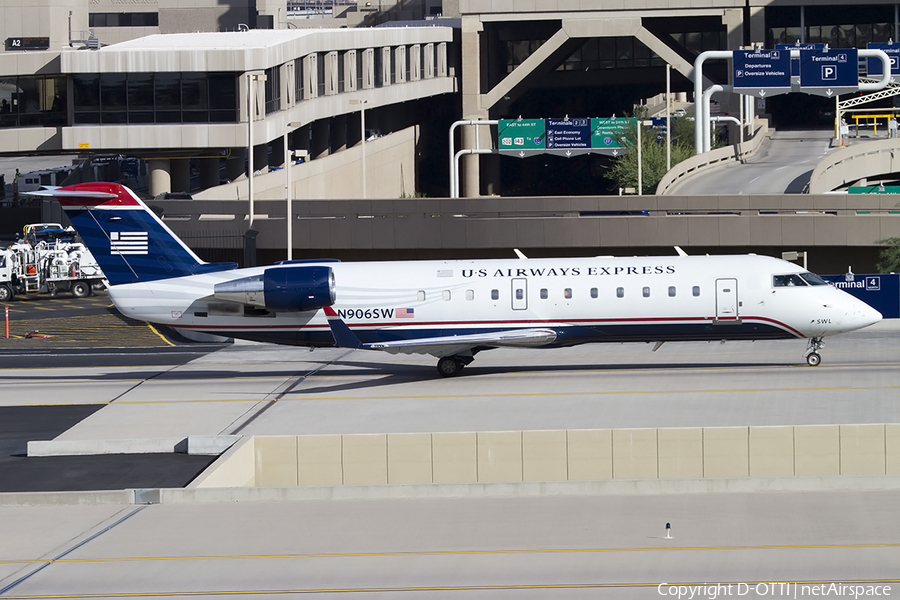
[813, 359]
[80, 289]
[449, 366]
[6, 293]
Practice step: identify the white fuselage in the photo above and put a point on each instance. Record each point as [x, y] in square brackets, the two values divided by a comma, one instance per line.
[586, 299]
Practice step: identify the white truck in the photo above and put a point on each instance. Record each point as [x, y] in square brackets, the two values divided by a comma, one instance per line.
[48, 267]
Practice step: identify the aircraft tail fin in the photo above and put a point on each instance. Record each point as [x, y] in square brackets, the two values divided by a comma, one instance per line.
[128, 240]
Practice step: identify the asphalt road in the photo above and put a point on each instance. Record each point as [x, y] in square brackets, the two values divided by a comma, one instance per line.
[783, 166]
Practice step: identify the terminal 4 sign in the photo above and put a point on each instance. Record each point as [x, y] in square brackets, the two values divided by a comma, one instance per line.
[566, 136]
[762, 72]
[829, 72]
[875, 66]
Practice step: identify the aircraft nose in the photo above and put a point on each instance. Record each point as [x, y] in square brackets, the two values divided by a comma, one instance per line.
[862, 315]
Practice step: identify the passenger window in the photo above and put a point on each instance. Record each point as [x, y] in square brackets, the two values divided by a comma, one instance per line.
[543, 293]
[567, 293]
[470, 294]
[520, 293]
[446, 294]
[495, 294]
[696, 290]
[594, 292]
[420, 295]
[671, 291]
[646, 292]
[620, 292]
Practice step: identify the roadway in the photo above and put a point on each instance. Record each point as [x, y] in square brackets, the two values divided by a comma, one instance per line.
[783, 166]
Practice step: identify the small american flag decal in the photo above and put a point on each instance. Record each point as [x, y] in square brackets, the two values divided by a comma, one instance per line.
[405, 313]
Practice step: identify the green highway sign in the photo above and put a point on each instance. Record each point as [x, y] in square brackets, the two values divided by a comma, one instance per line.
[608, 134]
[521, 134]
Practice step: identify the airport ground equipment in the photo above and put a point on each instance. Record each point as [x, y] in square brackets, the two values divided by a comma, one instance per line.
[48, 267]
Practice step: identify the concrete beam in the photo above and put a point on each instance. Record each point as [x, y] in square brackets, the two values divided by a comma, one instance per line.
[678, 63]
[517, 77]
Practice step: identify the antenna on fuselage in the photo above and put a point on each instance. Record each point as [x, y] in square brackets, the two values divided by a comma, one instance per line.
[680, 251]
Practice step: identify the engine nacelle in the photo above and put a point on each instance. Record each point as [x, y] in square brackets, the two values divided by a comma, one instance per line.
[282, 289]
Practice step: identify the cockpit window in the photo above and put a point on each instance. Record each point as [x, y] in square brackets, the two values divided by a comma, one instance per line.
[813, 279]
[788, 280]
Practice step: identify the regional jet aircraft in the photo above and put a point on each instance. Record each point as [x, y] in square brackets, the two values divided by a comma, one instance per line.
[452, 310]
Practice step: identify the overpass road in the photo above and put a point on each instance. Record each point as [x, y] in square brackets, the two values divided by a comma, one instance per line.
[783, 166]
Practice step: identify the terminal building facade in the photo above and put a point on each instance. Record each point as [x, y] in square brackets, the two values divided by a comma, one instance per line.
[185, 86]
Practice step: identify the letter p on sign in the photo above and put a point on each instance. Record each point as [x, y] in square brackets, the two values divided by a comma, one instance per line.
[829, 72]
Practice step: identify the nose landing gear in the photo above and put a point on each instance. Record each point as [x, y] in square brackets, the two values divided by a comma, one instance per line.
[813, 358]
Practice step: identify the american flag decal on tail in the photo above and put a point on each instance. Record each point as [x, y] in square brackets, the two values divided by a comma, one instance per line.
[128, 242]
[405, 313]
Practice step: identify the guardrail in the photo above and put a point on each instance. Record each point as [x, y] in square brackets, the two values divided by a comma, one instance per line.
[727, 154]
[853, 163]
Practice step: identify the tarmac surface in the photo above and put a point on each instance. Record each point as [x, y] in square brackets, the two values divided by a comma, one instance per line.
[605, 546]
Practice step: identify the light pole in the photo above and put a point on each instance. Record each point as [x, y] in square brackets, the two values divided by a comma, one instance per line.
[251, 77]
[362, 127]
[287, 189]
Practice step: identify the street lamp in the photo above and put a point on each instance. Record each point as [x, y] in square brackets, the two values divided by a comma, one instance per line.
[287, 189]
[362, 126]
[251, 77]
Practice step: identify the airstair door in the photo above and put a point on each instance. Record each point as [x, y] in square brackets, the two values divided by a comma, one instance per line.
[519, 293]
[726, 300]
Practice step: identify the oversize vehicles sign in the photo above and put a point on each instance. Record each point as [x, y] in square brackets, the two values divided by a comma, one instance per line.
[768, 71]
[566, 136]
[829, 72]
[874, 65]
[568, 133]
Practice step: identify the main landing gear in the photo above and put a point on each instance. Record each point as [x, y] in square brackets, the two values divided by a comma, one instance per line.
[813, 358]
[451, 366]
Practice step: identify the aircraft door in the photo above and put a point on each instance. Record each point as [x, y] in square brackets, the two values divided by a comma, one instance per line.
[519, 293]
[726, 299]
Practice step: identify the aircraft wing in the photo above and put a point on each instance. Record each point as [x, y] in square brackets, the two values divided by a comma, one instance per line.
[440, 346]
[454, 344]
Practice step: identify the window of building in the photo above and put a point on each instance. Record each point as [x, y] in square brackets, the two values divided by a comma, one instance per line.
[495, 294]
[595, 292]
[646, 292]
[620, 292]
[671, 291]
[273, 89]
[154, 98]
[150, 19]
[33, 101]
[695, 290]
[544, 294]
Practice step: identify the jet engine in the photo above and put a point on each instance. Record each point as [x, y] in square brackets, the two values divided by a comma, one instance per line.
[282, 289]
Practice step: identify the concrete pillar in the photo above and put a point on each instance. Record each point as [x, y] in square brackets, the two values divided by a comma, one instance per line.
[236, 164]
[209, 172]
[733, 19]
[261, 157]
[471, 102]
[181, 174]
[160, 177]
[757, 25]
[338, 133]
[319, 142]
[278, 152]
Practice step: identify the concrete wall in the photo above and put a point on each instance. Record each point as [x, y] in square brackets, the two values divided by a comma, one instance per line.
[390, 164]
[563, 455]
[853, 163]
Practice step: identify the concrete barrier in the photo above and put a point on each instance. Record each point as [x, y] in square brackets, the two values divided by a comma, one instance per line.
[712, 158]
[852, 163]
[560, 455]
[207, 445]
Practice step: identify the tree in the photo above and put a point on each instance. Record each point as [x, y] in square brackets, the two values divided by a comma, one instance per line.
[889, 257]
[625, 168]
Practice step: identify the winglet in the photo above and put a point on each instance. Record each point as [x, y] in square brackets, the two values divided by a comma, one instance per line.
[680, 251]
[343, 337]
